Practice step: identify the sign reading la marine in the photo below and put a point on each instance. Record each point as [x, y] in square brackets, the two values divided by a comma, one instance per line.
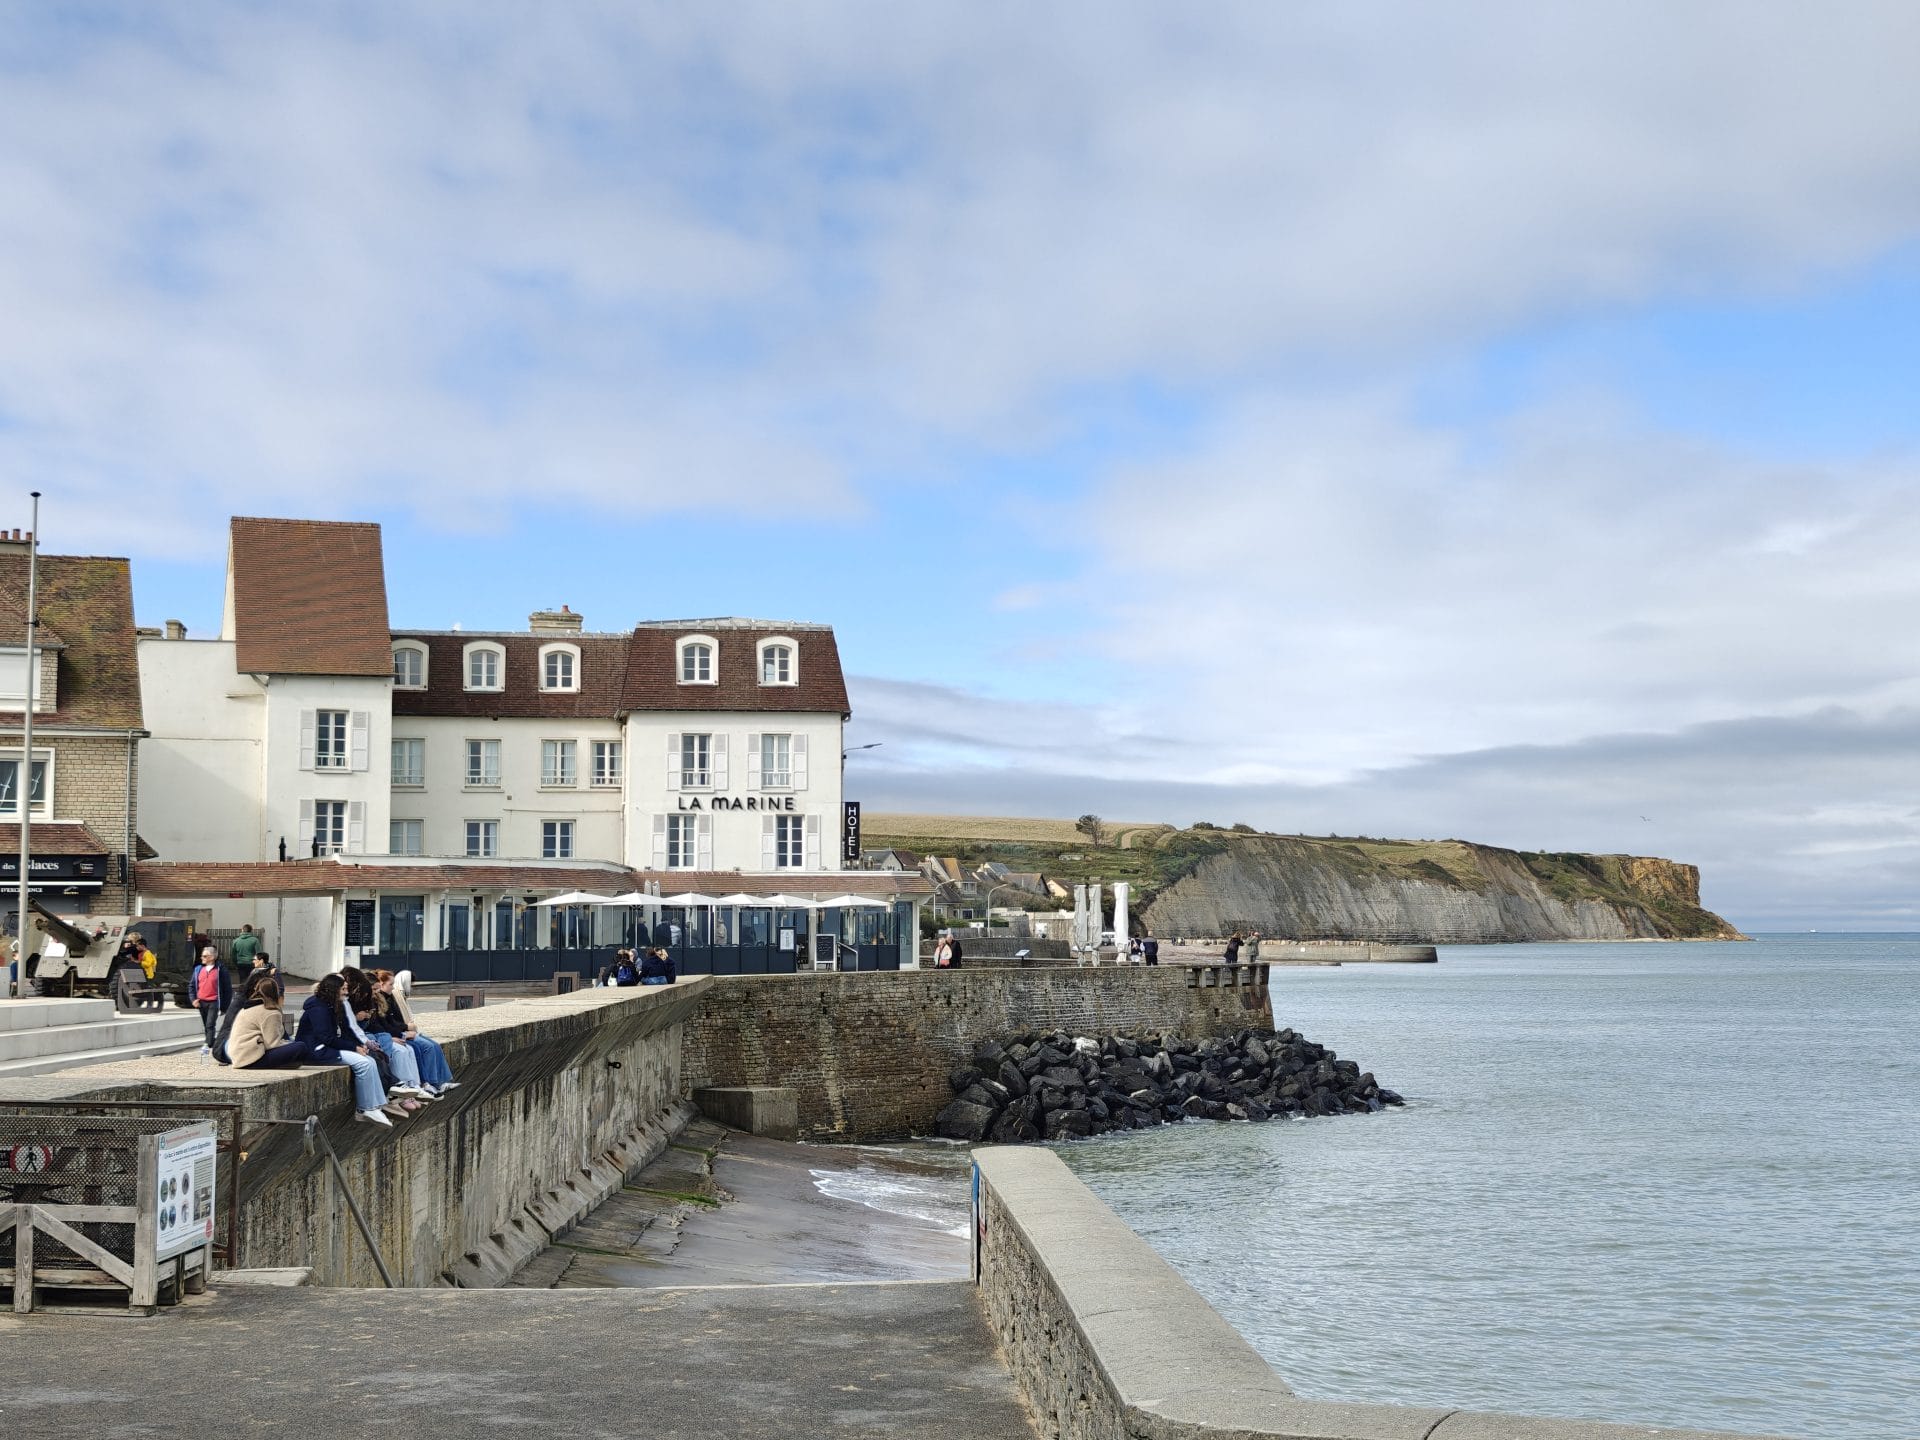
[735, 802]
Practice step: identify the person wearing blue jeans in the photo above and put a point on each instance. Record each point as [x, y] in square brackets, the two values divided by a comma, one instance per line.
[324, 1025]
[435, 1073]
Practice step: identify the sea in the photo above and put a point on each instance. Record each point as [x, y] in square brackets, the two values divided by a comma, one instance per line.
[1676, 1184]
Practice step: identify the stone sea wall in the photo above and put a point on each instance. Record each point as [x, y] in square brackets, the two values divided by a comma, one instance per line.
[560, 1097]
[869, 1055]
[1107, 1342]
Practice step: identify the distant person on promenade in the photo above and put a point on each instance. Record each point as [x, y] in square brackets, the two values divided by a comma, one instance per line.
[953, 951]
[259, 1040]
[1150, 950]
[942, 952]
[245, 946]
[625, 972]
[1251, 955]
[212, 991]
[1232, 957]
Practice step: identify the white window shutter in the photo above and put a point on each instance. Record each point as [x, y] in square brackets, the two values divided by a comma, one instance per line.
[703, 841]
[766, 842]
[799, 743]
[812, 853]
[753, 762]
[673, 762]
[659, 842]
[305, 847]
[719, 762]
[360, 723]
[356, 827]
[306, 743]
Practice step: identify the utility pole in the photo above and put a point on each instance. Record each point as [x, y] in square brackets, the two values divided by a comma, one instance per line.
[23, 782]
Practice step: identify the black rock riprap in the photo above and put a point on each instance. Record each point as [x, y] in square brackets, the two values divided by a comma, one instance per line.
[1058, 1086]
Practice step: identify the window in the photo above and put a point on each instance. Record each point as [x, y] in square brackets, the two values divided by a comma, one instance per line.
[483, 839]
[606, 762]
[13, 680]
[409, 667]
[329, 826]
[10, 783]
[776, 662]
[776, 761]
[405, 837]
[556, 840]
[682, 842]
[410, 762]
[484, 663]
[789, 842]
[403, 923]
[696, 761]
[557, 762]
[329, 739]
[559, 668]
[483, 763]
[696, 660]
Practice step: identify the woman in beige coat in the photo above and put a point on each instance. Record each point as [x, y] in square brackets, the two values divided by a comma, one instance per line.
[258, 1041]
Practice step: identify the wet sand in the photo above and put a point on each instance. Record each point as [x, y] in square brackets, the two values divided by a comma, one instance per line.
[725, 1208]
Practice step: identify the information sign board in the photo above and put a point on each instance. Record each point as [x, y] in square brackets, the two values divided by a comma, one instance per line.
[183, 1198]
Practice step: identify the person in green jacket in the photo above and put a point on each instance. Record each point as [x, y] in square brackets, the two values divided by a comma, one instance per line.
[245, 946]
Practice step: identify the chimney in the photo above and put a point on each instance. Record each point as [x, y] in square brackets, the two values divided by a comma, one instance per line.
[175, 630]
[554, 622]
[12, 542]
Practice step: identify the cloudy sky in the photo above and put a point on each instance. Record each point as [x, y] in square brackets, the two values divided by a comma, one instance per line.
[1488, 420]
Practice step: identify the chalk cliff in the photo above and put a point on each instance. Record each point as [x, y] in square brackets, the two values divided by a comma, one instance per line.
[1439, 892]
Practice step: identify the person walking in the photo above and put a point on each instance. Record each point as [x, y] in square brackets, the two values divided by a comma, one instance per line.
[245, 946]
[211, 991]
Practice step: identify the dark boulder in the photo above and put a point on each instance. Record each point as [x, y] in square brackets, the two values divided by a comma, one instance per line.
[964, 1121]
[1068, 1124]
[1011, 1078]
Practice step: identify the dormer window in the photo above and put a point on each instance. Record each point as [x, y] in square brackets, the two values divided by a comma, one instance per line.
[696, 660]
[410, 667]
[777, 664]
[559, 667]
[485, 665]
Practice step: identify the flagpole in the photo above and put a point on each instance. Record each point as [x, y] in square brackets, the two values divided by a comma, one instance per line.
[23, 782]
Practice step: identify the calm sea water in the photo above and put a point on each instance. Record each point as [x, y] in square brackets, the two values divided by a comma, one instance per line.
[1677, 1184]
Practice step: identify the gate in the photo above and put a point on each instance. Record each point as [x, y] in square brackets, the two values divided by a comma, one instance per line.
[74, 1215]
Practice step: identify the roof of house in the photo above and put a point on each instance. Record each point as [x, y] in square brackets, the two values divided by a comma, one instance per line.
[200, 879]
[54, 838]
[309, 597]
[86, 601]
[602, 677]
[653, 679]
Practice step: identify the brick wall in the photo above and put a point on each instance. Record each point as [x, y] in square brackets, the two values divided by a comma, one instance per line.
[90, 785]
[869, 1053]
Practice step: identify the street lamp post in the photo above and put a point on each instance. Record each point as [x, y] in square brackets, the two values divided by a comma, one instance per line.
[23, 776]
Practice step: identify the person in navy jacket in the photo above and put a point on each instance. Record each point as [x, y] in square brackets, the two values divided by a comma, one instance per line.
[323, 1025]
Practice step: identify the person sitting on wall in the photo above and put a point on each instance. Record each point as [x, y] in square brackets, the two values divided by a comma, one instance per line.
[625, 972]
[363, 1017]
[435, 1073]
[324, 1029]
[657, 968]
[258, 1041]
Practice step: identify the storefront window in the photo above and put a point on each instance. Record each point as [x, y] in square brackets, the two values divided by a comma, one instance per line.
[756, 927]
[456, 926]
[403, 923]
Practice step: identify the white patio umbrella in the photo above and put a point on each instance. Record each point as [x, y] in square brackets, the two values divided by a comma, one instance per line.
[841, 901]
[689, 898]
[576, 897]
[740, 897]
[791, 902]
[635, 897]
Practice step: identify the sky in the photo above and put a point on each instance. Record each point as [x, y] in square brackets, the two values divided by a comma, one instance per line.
[1493, 421]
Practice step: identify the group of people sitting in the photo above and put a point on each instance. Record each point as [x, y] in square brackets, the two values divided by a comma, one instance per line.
[650, 967]
[357, 1018]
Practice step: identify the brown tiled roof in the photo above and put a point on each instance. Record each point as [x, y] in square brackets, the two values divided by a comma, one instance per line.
[87, 600]
[309, 597]
[54, 838]
[603, 672]
[200, 879]
[653, 681]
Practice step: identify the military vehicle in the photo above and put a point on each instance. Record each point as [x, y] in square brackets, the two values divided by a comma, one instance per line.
[84, 956]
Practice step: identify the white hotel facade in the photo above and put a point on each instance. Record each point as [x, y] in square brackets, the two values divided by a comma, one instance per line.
[350, 788]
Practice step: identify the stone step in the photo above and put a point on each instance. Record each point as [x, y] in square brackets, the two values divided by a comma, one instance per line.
[37, 1013]
[47, 1064]
[53, 1040]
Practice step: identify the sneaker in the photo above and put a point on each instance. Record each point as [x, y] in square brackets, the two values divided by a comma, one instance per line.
[373, 1117]
[446, 1085]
